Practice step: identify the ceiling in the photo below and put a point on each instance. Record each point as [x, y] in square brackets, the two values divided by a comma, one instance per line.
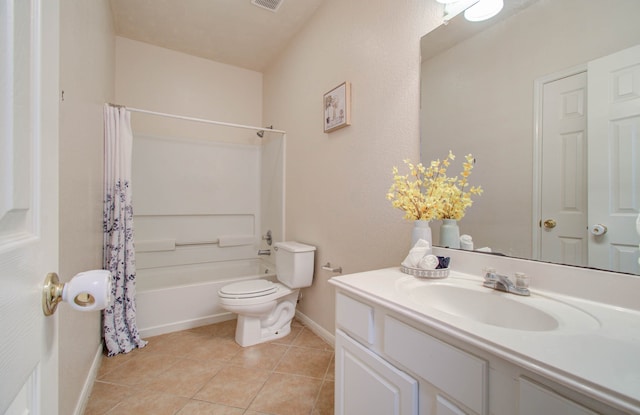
[234, 32]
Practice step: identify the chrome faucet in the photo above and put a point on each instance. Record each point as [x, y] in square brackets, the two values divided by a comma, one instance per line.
[264, 251]
[502, 283]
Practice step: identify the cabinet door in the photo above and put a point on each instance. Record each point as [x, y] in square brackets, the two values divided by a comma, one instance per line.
[446, 407]
[366, 384]
[536, 400]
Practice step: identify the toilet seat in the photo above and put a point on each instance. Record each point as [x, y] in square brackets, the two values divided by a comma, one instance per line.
[248, 289]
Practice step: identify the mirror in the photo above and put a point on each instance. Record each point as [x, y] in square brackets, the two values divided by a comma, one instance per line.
[481, 93]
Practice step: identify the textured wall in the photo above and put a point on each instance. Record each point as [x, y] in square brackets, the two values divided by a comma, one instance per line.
[157, 79]
[87, 46]
[336, 183]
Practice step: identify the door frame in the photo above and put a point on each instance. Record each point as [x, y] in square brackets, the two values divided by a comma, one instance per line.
[538, 89]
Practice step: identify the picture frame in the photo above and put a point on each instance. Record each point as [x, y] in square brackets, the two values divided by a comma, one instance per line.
[337, 107]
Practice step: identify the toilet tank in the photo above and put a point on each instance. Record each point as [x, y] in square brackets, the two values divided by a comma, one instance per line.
[294, 263]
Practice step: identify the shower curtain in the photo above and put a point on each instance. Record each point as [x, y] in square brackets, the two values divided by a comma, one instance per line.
[119, 320]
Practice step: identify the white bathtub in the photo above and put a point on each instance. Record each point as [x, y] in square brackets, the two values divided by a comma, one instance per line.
[177, 298]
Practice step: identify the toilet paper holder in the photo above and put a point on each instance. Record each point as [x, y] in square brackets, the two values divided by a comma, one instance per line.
[87, 291]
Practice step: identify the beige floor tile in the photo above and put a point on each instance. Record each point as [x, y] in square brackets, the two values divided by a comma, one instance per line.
[306, 362]
[149, 403]
[324, 403]
[105, 396]
[224, 329]
[291, 337]
[185, 378]
[221, 377]
[262, 356]
[209, 347]
[140, 369]
[331, 371]
[309, 339]
[179, 344]
[208, 408]
[233, 386]
[285, 394]
[109, 363]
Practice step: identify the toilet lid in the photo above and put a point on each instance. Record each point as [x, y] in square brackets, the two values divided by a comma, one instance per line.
[250, 288]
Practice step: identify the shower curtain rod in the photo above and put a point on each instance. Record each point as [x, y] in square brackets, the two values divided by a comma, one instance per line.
[202, 120]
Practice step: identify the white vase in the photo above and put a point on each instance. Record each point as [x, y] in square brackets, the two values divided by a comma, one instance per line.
[450, 234]
[421, 230]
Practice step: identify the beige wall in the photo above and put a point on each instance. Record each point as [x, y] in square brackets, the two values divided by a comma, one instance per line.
[86, 77]
[336, 183]
[157, 79]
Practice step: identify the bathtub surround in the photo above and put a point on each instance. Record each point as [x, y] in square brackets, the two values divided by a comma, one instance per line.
[196, 182]
[199, 221]
[119, 329]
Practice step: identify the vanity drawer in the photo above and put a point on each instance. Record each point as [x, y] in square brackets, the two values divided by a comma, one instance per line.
[458, 374]
[355, 317]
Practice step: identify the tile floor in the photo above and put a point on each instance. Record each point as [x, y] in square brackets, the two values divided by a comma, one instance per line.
[204, 371]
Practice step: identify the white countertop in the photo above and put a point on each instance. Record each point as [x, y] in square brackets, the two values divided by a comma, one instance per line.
[599, 355]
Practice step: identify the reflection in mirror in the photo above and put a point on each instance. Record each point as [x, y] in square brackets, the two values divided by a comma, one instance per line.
[534, 97]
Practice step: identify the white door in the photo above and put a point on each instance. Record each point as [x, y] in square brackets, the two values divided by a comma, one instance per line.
[614, 160]
[28, 203]
[563, 224]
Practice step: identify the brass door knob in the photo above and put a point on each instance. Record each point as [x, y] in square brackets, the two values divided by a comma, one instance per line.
[549, 224]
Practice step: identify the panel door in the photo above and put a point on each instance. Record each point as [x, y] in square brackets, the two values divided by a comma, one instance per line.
[535, 399]
[28, 203]
[614, 160]
[563, 223]
[366, 384]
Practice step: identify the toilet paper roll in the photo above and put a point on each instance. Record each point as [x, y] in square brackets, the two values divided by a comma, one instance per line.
[88, 291]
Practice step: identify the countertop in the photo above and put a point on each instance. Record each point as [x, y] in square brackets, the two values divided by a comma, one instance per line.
[598, 356]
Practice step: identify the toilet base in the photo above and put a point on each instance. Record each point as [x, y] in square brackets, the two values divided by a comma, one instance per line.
[251, 330]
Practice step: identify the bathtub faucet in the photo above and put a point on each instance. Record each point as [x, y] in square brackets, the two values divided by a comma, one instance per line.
[264, 251]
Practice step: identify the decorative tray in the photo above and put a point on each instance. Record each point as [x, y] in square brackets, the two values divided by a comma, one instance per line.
[426, 273]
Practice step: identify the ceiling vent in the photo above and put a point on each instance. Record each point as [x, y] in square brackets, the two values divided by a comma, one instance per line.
[271, 5]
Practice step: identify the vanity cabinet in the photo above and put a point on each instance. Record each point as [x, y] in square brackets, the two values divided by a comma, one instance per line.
[388, 363]
[387, 367]
[370, 384]
[536, 399]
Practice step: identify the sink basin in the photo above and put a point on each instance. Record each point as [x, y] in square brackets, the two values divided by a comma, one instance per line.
[471, 301]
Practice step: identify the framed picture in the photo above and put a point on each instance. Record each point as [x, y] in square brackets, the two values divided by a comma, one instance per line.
[337, 107]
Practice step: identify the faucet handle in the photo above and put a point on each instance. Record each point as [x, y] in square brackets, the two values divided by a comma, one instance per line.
[522, 280]
[490, 274]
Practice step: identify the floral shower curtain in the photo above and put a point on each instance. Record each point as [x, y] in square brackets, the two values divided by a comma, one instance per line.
[119, 320]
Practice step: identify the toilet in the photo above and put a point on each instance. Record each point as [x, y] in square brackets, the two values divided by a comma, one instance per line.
[265, 308]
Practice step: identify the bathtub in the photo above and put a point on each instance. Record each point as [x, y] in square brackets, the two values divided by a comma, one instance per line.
[176, 298]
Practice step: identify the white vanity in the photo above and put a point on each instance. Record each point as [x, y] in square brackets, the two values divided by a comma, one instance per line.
[406, 345]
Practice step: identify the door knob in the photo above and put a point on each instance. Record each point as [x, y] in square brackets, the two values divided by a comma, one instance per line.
[549, 224]
[598, 229]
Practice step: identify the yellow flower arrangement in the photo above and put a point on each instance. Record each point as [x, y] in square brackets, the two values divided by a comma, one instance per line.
[427, 193]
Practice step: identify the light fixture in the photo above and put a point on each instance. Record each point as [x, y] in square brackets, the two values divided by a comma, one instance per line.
[483, 10]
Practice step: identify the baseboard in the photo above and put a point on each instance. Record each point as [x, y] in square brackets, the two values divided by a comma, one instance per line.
[88, 383]
[316, 328]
